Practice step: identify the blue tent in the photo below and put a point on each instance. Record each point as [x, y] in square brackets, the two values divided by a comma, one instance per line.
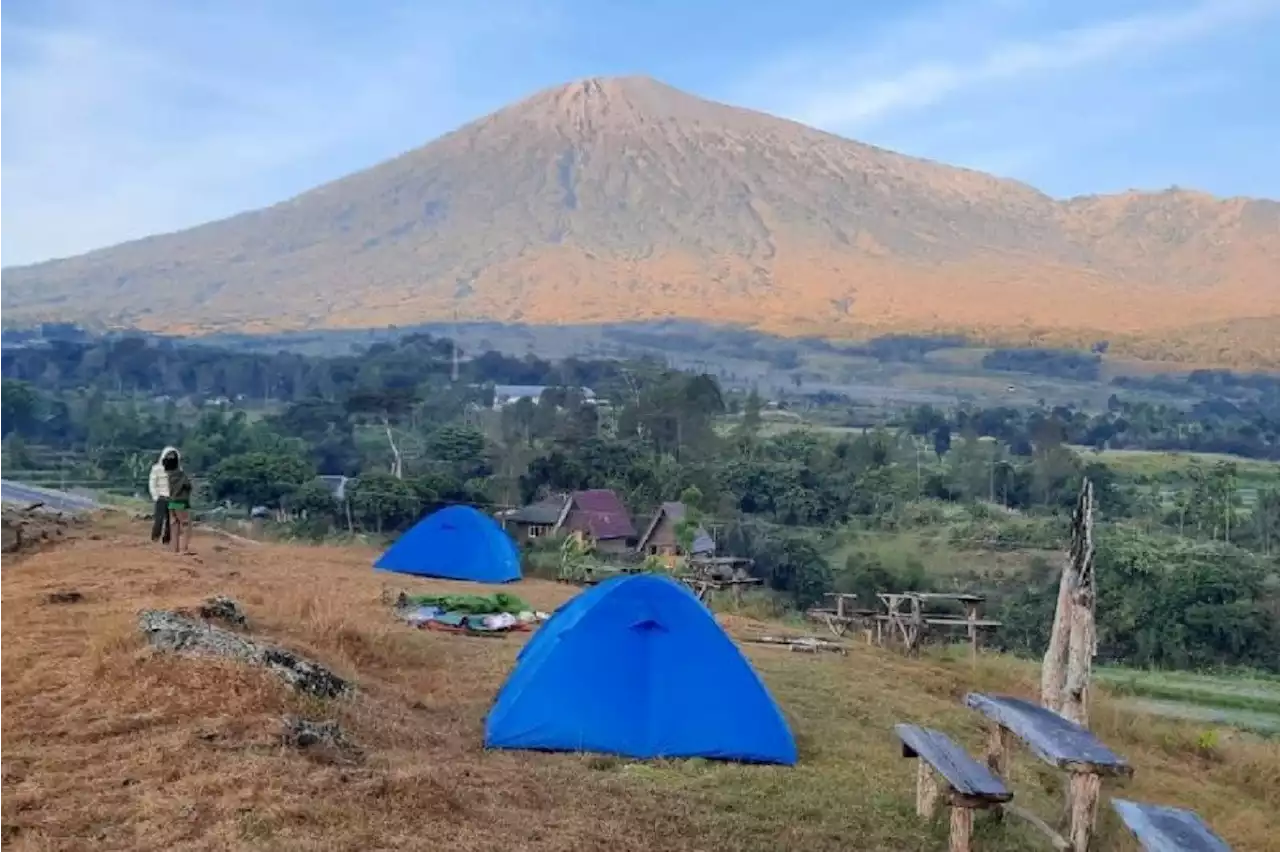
[637, 666]
[455, 543]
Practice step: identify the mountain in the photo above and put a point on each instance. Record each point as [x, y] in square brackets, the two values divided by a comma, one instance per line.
[625, 199]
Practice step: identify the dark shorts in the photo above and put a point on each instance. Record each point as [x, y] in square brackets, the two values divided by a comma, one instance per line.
[179, 505]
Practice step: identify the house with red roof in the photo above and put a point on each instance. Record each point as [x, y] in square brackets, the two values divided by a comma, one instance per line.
[599, 516]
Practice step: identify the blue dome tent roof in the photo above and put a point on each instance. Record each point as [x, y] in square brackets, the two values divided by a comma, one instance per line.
[455, 543]
[637, 666]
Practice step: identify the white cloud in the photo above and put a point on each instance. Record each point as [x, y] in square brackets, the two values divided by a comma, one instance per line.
[124, 118]
[878, 86]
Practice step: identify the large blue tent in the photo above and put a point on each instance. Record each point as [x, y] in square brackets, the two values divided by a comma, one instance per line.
[637, 666]
[455, 543]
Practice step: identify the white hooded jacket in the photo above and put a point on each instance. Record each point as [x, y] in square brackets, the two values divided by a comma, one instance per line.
[159, 481]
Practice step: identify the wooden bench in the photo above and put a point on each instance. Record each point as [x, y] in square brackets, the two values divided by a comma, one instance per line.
[1063, 745]
[969, 784]
[1160, 828]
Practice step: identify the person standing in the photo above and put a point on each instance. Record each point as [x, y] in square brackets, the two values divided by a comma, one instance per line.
[158, 485]
[180, 488]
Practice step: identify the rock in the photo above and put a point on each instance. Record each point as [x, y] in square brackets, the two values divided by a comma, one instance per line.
[12, 536]
[322, 741]
[303, 733]
[304, 675]
[222, 608]
[66, 597]
[181, 634]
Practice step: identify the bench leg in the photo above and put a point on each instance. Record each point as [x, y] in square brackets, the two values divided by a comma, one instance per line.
[961, 838]
[1085, 789]
[927, 790]
[997, 750]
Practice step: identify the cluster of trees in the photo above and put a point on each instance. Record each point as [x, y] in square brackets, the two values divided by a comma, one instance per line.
[138, 364]
[1207, 427]
[1054, 363]
[1164, 602]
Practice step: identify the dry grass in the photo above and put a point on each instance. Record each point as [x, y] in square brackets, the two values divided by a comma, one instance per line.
[109, 746]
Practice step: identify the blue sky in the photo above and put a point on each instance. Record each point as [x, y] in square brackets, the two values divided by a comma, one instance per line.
[124, 118]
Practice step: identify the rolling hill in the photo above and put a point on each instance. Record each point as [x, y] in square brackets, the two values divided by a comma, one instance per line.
[624, 199]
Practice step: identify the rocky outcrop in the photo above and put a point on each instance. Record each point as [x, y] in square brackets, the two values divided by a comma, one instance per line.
[179, 633]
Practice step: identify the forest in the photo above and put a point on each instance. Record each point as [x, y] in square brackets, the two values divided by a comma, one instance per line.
[1191, 578]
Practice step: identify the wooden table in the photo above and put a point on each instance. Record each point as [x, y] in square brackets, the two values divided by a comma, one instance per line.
[702, 588]
[842, 616]
[905, 615]
[1061, 744]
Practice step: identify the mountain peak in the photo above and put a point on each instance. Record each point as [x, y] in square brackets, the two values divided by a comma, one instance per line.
[622, 198]
[598, 102]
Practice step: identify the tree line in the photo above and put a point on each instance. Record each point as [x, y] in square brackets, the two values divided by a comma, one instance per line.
[414, 439]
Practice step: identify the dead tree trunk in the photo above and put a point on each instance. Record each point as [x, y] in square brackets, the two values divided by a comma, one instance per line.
[1053, 673]
[1084, 638]
[1064, 677]
[397, 466]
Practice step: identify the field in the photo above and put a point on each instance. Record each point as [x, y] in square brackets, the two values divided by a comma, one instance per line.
[933, 555]
[1245, 701]
[1175, 465]
[1168, 472]
[110, 746]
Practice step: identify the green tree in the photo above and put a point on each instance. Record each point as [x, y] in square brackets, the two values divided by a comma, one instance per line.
[20, 404]
[751, 416]
[382, 502]
[259, 479]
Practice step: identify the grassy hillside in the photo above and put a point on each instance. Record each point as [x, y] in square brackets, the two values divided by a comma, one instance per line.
[107, 745]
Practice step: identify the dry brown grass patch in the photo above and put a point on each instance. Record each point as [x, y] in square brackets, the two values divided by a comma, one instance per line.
[109, 745]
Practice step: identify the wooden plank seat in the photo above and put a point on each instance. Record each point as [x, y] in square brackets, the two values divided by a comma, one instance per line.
[1160, 828]
[1061, 744]
[968, 784]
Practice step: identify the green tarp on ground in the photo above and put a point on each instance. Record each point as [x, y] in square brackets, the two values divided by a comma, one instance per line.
[473, 604]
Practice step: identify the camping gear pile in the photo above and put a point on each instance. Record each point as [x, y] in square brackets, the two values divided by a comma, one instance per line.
[485, 614]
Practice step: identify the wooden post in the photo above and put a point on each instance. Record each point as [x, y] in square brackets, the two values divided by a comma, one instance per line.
[927, 790]
[961, 839]
[1084, 642]
[1057, 660]
[971, 613]
[917, 626]
[1085, 788]
[997, 751]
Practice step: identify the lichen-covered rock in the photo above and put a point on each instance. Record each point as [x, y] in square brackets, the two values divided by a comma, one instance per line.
[302, 674]
[181, 634]
[171, 631]
[222, 608]
[323, 741]
[304, 733]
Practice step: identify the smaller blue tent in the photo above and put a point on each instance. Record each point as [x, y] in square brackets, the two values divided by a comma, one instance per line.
[455, 543]
[637, 666]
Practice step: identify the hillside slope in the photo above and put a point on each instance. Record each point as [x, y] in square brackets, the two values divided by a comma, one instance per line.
[110, 746]
[622, 199]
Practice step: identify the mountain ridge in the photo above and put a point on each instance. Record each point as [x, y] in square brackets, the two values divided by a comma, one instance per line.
[614, 199]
